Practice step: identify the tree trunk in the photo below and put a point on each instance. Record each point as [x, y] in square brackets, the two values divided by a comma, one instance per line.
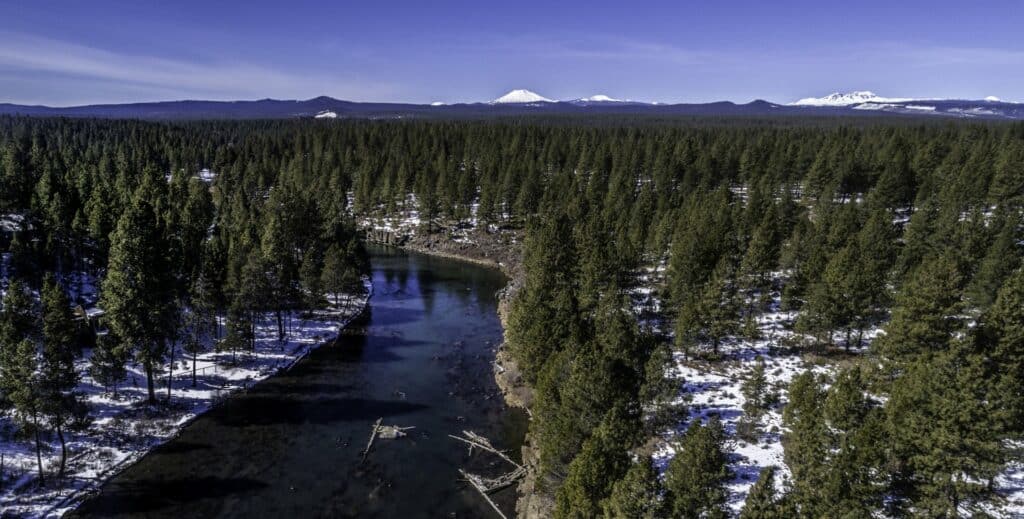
[63, 451]
[148, 365]
[280, 324]
[194, 353]
[170, 373]
[39, 455]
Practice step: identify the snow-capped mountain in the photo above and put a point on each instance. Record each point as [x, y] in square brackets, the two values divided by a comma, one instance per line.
[848, 99]
[865, 101]
[599, 98]
[521, 96]
[604, 100]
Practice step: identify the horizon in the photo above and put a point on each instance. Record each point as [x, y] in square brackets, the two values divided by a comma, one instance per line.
[111, 53]
[494, 101]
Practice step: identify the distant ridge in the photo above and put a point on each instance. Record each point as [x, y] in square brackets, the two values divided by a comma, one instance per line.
[525, 102]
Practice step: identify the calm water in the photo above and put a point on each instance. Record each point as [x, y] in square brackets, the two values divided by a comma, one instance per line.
[291, 447]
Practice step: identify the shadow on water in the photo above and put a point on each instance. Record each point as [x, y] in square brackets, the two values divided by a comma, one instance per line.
[292, 445]
[154, 495]
[269, 410]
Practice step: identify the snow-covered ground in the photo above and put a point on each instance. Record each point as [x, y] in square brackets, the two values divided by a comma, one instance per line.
[124, 428]
[1011, 484]
[408, 222]
[714, 388]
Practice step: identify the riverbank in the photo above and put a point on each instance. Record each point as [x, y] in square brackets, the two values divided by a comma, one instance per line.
[125, 430]
[502, 251]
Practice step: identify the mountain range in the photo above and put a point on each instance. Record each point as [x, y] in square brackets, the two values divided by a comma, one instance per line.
[524, 102]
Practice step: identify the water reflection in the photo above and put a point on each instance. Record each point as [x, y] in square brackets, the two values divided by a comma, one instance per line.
[292, 446]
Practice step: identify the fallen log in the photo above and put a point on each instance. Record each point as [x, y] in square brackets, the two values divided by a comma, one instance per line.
[477, 484]
[373, 436]
[477, 441]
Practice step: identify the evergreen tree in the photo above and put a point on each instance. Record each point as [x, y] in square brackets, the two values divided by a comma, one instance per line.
[696, 476]
[926, 316]
[806, 442]
[340, 274]
[64, 408]
[636, 495]
[107, 363]
[137, 292]
[21, 383]
[18, 319]
[1002, 335]
[762, 501]
[591, 475]
[199, 321]
[310, 278]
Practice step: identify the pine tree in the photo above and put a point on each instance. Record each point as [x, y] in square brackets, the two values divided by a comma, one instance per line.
[310, 278]
[17, 317]
[1001, 259]
[17, 323]
[806, 441]
[107, 363]
[137, 292]
[278, 256]
[544, 315]
[926, 315]
[636, 495]
[757, 400]
[199, 320]
[1002, 333]
[696, 476]
[339, 275]
[591, 476]
[762, 501]
[1008, 182]
[945, 433]
[64, 408]
[21, 383]
[712, 317]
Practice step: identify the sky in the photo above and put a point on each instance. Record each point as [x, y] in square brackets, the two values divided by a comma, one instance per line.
[74, 52]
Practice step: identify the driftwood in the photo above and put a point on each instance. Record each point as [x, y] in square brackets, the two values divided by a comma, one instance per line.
[483, 485]
[475, 481]
[387, 432]
[390, 432]
[373, 436]
[475, 440]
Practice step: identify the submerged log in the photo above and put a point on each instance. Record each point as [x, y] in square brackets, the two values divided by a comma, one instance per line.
[373, 436]
[477, 441]
[484, 485]
[387, 432]
[476, 482]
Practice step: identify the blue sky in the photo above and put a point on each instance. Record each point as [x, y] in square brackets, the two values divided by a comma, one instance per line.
[75, 52]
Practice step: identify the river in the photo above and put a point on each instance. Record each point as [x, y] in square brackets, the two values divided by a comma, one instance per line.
[291, 446]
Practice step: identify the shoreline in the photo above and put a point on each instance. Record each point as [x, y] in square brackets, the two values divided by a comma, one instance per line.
[79, 495]
[530, 503]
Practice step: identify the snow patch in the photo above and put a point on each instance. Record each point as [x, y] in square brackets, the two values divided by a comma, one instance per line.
[326, 114]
